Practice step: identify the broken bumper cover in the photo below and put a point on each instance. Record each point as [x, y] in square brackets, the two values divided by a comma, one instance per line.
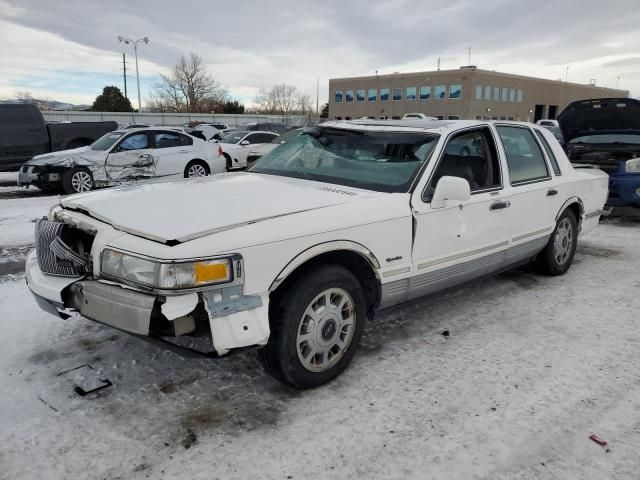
[29, 176]
[234, 321]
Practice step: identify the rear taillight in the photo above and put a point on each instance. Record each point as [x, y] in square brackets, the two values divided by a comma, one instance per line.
[220, 153]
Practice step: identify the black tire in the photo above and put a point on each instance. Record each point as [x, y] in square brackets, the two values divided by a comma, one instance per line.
[280, 357]
[228, 158]
[200, 163]
[69, 180]
[557, 256]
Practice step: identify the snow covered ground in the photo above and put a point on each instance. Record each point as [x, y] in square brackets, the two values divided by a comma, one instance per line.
[531, 366]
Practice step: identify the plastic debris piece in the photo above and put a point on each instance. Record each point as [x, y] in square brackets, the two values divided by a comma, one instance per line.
[597, 439]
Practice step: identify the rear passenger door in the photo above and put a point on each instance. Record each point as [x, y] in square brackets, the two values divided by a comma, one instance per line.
[172, 151]
[532, 193]
[462, 240]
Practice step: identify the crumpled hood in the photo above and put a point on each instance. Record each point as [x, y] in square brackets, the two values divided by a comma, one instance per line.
[599, 117]
[176, 212]
[56, 157]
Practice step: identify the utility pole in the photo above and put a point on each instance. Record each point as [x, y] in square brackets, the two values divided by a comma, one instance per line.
[566, 74]
[438, 63]
[469, 61]
[124, 74]
[317, 93]
[617, 81]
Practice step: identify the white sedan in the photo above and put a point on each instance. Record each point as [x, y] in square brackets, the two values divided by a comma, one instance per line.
[340, 221]
[237, 145]
[124, 156]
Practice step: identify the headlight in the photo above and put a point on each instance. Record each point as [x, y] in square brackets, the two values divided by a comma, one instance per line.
[632, 166]
[165, 275]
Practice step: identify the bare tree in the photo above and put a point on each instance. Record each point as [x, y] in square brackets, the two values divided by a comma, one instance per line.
[24, 96]
[189, 88]
[282, 99]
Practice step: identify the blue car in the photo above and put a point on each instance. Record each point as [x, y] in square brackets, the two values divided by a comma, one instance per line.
[605, 133]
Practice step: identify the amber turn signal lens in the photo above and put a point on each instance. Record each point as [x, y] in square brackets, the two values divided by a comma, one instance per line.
[213, 271]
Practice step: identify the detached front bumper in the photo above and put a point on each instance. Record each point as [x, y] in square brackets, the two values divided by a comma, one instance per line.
[34, 175]
[212, 323]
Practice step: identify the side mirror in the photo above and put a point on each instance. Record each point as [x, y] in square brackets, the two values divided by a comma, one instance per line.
[245, 142]
[450, 189]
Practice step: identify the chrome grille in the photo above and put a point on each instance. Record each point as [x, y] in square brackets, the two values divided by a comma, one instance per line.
[48, 236]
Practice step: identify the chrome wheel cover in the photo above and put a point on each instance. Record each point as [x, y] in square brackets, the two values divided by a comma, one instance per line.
[197, 170]
[81, 182]
[326, 330]
[563, 241]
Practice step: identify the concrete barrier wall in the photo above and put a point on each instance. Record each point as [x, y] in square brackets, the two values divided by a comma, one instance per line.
[173, 119]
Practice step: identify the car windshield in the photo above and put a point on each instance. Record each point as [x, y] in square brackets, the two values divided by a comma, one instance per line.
[608, 138]
[380, 161]
[233, 137]
[106, 142]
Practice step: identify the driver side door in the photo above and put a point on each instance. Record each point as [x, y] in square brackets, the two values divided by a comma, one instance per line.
[131, 159]
[461, 240]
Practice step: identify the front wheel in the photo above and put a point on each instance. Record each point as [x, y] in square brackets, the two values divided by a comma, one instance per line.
[557, 256]
[77, 180]
[315, 328]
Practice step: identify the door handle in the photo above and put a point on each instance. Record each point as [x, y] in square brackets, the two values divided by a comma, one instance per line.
[551, 192]
[499, 205]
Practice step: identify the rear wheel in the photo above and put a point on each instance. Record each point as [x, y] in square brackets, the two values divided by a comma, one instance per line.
[196, 168]
[77, 180]
[557, 256]
[315, 328]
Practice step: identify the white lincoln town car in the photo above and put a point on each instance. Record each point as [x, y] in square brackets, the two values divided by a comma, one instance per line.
[293, 256]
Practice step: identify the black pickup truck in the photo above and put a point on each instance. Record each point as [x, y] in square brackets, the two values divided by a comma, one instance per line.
[24, 134]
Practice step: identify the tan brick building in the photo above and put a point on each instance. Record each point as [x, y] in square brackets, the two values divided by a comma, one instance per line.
[466, 93]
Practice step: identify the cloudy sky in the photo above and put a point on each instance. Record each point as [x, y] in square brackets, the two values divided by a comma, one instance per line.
[68, 50]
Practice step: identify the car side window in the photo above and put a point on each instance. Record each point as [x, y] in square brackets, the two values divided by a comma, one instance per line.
[470, 155]
[253, 138]
[167, 140]
[550, 154]
[524, 157]
[137, 141]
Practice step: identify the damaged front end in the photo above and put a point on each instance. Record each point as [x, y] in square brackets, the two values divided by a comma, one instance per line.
[212, 320]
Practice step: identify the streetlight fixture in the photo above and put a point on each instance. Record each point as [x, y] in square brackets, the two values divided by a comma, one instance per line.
[128, 41]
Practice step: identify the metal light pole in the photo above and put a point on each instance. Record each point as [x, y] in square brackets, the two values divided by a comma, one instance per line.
[128, 41]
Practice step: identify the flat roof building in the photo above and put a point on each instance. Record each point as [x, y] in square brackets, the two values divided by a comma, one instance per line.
[466, 93]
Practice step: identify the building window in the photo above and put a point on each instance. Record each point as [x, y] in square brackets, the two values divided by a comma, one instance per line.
[372, 95]
[519, 95]
[339, 95]
[382, 117]
[496, 94]
[347, 118]
[397, 94]
[505, 94]
[487, 92]
[478, 117]
[395, 118]
[440, 91]
[454, 117]
[384, 94]
[349, 96]
[425, 93]
[338, 118]
[359, 95]
[440, 117]
[479, 92]
[455, 91]
[410, 94]
[512, 95]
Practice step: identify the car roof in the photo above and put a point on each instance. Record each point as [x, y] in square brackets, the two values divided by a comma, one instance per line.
[416, 124]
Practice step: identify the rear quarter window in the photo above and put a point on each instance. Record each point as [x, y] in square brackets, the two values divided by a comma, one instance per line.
[524, 157]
